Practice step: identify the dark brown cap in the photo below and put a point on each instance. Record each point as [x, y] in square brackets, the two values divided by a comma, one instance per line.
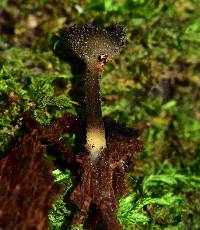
[89, 42]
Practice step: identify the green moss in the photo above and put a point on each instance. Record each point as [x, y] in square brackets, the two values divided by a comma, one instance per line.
[59, 212]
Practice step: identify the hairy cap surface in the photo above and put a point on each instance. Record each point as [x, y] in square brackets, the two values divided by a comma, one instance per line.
[89, 42]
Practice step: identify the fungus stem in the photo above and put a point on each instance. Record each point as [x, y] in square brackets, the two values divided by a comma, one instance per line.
[95, 133]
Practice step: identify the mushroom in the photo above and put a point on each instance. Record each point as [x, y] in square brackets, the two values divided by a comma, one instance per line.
[95, 47]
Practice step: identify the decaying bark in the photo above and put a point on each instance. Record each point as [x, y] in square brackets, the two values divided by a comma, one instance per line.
[106, 179]
[27, 190]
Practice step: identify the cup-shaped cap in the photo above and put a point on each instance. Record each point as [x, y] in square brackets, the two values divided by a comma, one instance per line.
[89, 42]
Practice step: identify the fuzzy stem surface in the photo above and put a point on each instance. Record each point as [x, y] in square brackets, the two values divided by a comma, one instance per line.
[95, 132]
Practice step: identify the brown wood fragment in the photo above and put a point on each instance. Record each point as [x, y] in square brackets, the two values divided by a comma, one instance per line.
[27, 190]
